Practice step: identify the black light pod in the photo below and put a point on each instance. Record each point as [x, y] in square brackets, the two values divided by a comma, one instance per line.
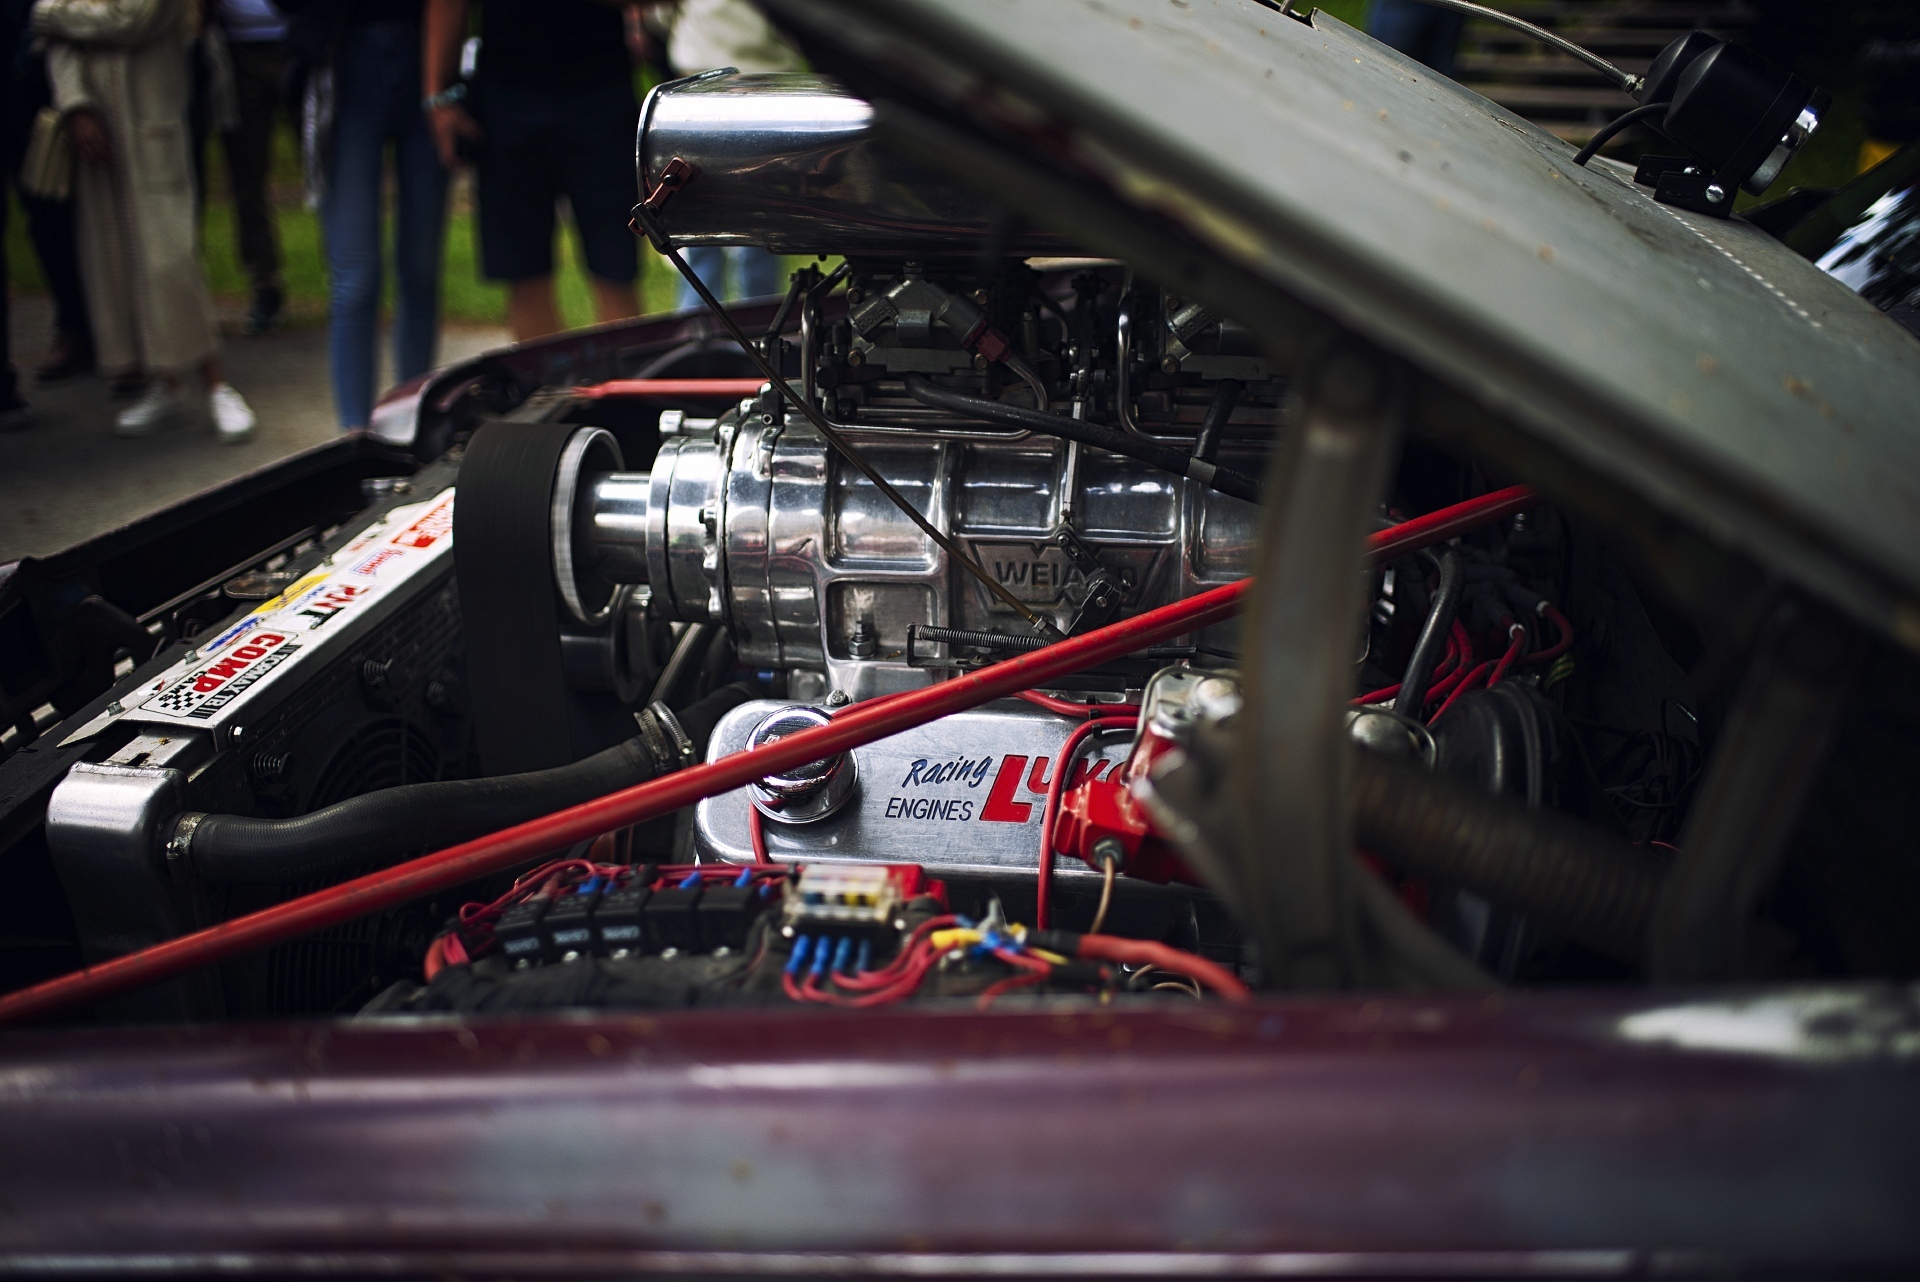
[1741, 117]
[1663, 76]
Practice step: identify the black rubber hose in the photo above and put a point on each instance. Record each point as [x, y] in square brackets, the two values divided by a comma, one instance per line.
[1412, 698]
[1167, 458]
[1213, 428]
[1594, 889]
[1615, 125]
[394, 822]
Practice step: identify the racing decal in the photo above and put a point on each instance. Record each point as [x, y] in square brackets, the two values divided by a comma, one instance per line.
[1002, 803]
[433, 525]
[304, 620]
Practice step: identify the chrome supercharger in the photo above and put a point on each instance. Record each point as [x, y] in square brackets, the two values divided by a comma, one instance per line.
[760, 527]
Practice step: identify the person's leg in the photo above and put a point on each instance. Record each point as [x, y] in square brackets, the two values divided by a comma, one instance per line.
[13, 410]
[1443, 41]
[756, 272]
[257, 66]
[419, 228]
[350, 218]
[614, 300]
[532, 310]
[198, 126]
[709, 263]
[50, 225]
[594, 159]
[517, 183]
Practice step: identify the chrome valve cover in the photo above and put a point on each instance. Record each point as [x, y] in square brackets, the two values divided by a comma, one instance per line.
[963, 794]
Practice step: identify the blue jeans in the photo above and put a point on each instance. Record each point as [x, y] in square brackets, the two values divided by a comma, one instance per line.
[755, 273]
[1420, 31]
[377, 97]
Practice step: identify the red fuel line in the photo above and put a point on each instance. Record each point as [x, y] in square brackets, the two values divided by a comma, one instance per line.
[854, 727]
[670, 389]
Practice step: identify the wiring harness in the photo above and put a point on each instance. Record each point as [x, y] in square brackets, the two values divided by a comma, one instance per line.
[836, 972]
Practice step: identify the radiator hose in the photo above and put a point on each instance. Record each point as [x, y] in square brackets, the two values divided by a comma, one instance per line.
[1594, 889]
[383, 826]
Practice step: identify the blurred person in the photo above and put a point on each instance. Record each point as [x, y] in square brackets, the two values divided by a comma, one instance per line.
[1421, 31]
[49, 222]
[14, 412]
[704, 35]
[553, 114]
[256, 38]
[119, 74]
[362, 92]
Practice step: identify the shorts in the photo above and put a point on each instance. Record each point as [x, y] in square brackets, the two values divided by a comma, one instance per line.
[538, 147]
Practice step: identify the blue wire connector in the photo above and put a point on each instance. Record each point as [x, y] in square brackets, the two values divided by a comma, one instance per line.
[691, 880]
[798, 958]
[745, 877]
[866, 957]
[842, 955]
[821, 956]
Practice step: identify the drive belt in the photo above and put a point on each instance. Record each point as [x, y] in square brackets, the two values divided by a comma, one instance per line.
[509, 609]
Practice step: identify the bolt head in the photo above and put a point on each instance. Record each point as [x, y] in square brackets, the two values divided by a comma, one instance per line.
[1170, 365]
[1715, 193]
[839, 699]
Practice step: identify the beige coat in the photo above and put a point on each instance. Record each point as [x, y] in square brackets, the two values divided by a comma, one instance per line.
[127, 61]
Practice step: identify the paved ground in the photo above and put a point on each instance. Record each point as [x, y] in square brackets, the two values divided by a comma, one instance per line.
[68, 477]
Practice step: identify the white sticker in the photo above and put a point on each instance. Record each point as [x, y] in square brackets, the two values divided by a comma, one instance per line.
[303, 620]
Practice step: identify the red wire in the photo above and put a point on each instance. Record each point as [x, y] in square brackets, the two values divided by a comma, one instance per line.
[902, 960]
[757, 830]
[1559, 647]
[863, 724]
[435, 960]
[1459, 690]
[730, 389]
[1043, 879]
[1068, 708]
[1036, 972]
[1449, 660]
[1514, 647]
[1113, 948]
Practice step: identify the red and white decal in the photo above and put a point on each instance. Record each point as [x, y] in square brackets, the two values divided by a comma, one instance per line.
[435, 524]
[305, 620]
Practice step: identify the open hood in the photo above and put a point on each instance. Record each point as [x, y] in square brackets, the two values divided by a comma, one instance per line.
[1693, 362]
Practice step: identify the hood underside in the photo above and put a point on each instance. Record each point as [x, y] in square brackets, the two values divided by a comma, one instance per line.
[1695, 362]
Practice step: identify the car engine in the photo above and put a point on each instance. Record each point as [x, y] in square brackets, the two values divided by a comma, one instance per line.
[978, 445]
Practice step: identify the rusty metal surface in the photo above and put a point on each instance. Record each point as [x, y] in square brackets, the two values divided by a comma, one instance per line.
[1609, 1132]
[1696, 361]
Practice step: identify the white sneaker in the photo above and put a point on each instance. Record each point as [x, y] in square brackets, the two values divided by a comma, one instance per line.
[157, 409]
[233, 420]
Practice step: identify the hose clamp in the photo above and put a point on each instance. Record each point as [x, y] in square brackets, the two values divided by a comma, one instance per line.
[665, 740]
[180, 843]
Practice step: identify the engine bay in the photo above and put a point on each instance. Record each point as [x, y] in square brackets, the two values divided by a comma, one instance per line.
[978, 448]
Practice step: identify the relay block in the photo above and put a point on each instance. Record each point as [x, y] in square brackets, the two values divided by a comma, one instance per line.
[853, 899]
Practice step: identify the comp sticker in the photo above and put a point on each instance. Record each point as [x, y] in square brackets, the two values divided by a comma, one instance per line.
[308, 618]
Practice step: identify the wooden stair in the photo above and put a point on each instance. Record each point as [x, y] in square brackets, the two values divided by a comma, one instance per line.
[1561, 94]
